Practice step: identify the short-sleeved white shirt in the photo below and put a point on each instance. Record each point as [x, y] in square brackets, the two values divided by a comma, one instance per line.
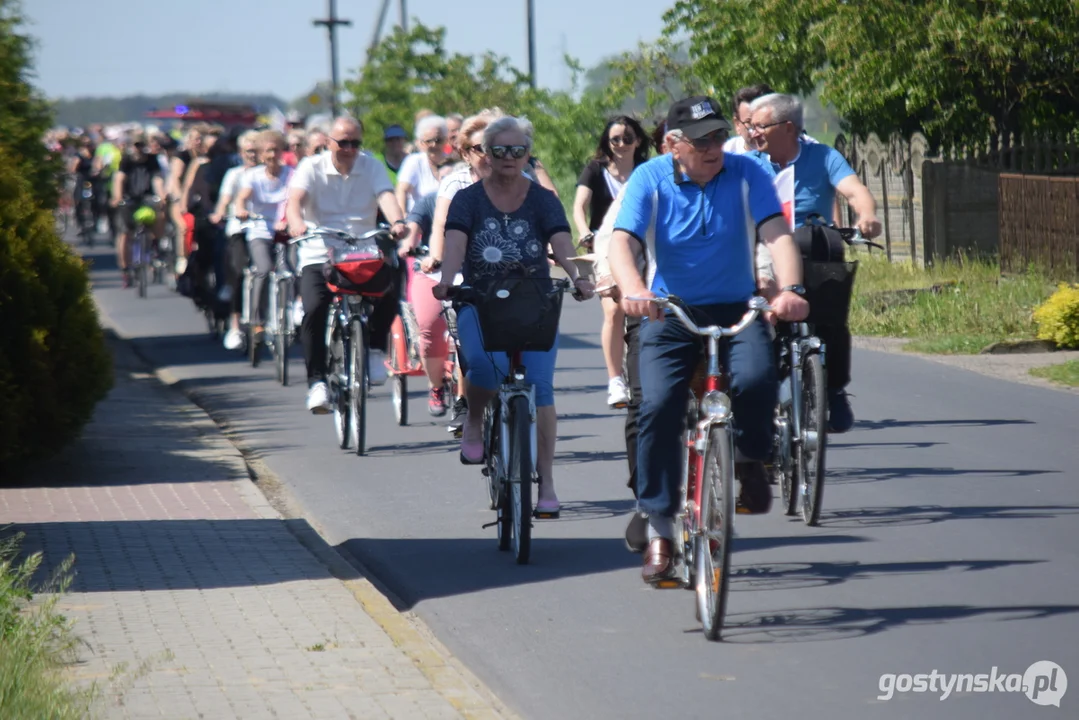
[456, 181]
[268, 196]
[416, 171]
[230, 186]
[346, 202]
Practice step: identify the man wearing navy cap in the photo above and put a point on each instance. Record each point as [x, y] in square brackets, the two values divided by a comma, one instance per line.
[697, 211]
[393, 153]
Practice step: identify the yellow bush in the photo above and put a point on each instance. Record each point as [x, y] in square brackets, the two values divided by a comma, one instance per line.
[1058, 317]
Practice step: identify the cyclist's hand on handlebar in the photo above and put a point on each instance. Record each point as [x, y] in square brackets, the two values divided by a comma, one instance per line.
[441, 290]
[216, 218]
[280, 226]
[242, 214]
[429, 265]
[869, 227]
[641, 308]
[297, 229]
[398, 230]
[790, 306]
[583, 289]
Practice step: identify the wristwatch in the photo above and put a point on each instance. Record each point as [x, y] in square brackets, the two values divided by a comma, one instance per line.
[796, 289]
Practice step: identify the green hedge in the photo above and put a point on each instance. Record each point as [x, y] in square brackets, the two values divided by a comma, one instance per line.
[54, 364]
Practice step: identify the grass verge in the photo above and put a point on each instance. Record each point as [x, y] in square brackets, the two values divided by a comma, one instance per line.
[1065, 373]
[952, 308]
[36, 642]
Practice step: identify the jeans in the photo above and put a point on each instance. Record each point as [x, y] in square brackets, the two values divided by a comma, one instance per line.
[633, 377]
[238, 258]
[669, 355]
[317, 299]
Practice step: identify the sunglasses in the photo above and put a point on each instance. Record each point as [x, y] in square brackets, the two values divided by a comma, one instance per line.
[515, 151]
[627, 139]
[348, 144]
[478, 149]
[709, 141]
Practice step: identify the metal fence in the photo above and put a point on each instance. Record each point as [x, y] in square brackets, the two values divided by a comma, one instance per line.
[1039, 224]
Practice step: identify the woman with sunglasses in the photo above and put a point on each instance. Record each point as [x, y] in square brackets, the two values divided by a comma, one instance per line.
[623, 146]
[237, 257]
[429, 310]
[418, 175]
[502, 224]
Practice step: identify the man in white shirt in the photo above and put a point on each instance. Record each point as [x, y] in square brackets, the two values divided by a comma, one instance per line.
[741, 143]
[342, 189]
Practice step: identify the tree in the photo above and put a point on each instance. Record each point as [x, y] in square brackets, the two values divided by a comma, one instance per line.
[647, 80]
[25, 115]
[955, 69]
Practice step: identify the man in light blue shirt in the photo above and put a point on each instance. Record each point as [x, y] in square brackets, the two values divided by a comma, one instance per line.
[819, 173]
[697, 212]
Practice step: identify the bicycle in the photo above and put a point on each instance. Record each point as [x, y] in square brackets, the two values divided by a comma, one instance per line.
[509, 420]
[404, 360]
[707, 506]
[347, 336]
[85, 213]
[801, 421]
[144, 248]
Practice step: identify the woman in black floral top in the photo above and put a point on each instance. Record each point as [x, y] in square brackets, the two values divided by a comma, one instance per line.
[507, 223]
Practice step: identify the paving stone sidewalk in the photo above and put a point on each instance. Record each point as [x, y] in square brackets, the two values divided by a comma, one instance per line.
[195, 598]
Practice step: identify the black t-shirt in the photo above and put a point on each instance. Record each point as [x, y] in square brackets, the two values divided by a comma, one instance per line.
[592, 178]
[139, 175]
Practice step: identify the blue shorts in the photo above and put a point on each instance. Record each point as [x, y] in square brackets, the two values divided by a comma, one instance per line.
[539, 366]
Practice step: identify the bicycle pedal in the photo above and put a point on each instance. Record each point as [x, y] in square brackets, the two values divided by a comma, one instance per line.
[667, 584]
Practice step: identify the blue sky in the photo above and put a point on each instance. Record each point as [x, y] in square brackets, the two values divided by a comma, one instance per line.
[124, 47]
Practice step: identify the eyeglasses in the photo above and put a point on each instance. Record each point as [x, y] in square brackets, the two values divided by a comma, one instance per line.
[434, 141]
[320, 148]
[349, 144]
[627, 139]
[762, 128]
[515, 151]
[709, 141]
[478, 149]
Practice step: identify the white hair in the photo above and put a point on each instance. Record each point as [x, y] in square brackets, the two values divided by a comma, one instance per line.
[431, 122]
[248, 137]
[785, 108]
[504, 124]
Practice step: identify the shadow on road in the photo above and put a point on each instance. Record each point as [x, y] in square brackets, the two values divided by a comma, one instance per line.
[898, 445]
[749, 544]
[799, 576]
[893, 423]
[418, 569]
[929, 514]
[840, 623]
[849, 475]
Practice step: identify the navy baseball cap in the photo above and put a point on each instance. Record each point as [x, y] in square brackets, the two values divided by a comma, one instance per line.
[394, 131]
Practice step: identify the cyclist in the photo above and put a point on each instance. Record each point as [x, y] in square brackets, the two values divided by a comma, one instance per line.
[428, 317]
[484, 237]
[393, 153]
[741, 143]
[107, 159]
[819, 173]
[265, 188]
[135, 184]
[81, 166]
[343, 188]
[622, 147]
[317, 141]
[417, 176]
[238, 257]
[690, 208]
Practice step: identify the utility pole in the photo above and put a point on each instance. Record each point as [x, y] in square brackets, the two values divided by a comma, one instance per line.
[404, 15]
[331, 22]
[530, 9]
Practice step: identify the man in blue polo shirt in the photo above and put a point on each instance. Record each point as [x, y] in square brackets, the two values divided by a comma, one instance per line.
[696, 210]
[819, 173]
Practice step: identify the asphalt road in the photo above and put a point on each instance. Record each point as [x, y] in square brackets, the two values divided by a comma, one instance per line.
[948, 541]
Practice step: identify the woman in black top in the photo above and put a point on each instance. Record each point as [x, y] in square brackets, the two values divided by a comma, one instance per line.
[623, 146]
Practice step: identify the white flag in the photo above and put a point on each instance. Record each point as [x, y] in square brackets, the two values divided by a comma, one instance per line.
[784, 183]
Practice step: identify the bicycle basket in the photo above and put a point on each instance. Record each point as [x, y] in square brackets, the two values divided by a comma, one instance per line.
[828, 290]
[519, 314]
[357, 269]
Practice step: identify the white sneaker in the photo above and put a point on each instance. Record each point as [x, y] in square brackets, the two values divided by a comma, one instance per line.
[297, 313]
[376, 367]
[318, 399]
[181, 265]
[234, 340]
[617, 393]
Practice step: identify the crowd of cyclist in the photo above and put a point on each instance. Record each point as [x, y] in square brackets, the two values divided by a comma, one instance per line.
[695, 221]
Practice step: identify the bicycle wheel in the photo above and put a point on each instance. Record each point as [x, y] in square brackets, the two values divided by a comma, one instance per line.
[712, 548]
[357, 389]
[783, 466]
[811, 449]
[339, 381]
[283, 332]
[520, 470]
[491, 425]
[142, 268]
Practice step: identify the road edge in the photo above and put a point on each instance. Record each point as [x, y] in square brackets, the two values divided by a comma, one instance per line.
[271, 498]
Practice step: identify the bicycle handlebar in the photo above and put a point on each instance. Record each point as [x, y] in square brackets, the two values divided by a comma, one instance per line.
[757, 305]
[852, 236]
[468, 294]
